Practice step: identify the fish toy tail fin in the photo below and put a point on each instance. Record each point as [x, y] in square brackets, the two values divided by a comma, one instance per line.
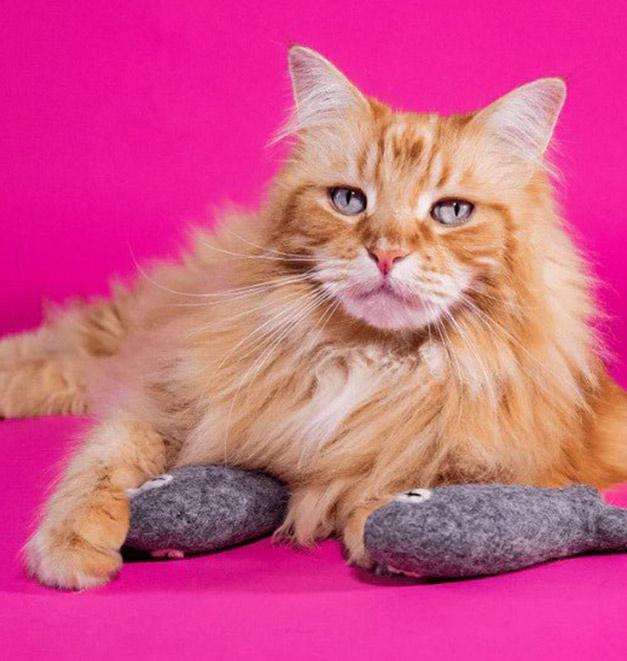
[611, 529]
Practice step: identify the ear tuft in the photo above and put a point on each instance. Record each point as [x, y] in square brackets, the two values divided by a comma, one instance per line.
[524, 120]
[322, 94]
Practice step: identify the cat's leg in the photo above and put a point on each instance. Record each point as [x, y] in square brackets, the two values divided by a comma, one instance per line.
[310, 514]
[317, 510]
[86, 521]
[25, 346]
[352, 530]
[43, 372]
[42, 386]
[37, 377]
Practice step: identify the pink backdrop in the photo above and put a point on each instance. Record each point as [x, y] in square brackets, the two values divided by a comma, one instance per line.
[122, 121]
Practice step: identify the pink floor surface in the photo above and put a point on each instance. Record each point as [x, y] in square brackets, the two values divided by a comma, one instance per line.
[271, 602]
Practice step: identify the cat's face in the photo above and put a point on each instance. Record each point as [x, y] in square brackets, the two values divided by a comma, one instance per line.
[406, 215]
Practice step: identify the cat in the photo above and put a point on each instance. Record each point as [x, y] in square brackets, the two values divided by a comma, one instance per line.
[406, 309]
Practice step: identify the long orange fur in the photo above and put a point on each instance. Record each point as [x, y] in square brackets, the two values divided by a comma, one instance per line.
[246, 353]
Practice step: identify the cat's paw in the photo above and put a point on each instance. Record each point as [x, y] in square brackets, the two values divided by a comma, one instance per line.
[353, 537]
[81, 550]
[353, 533]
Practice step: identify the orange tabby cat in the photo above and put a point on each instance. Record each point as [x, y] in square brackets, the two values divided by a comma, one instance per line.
[405, 310]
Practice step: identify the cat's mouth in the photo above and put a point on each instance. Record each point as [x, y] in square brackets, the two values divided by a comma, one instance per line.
[387, 304]
[386, 293]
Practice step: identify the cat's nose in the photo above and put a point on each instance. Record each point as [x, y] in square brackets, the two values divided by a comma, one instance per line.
[385, 259]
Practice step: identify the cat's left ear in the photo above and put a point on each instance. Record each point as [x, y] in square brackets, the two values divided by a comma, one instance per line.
[522, 122]
[323, 96]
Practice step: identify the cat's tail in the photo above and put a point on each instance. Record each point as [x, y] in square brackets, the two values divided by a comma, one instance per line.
[43, 372]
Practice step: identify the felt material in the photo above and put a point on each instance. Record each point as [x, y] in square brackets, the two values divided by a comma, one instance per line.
[471, 530]
[204, 508]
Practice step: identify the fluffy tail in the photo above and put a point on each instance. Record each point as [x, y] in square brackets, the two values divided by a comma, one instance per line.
[43, 372]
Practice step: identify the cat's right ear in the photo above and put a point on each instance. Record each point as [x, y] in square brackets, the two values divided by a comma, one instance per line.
[322, 94]
[521, 123]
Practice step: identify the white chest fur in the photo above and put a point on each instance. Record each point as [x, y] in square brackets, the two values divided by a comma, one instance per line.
[341, 386]
[343, 382]
[346, 381]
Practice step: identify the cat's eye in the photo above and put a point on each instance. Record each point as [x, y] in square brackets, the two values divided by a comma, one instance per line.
[349, 201]
[452, 212]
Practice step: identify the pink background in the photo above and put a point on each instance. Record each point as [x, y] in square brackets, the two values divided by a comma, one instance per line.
[122, 122]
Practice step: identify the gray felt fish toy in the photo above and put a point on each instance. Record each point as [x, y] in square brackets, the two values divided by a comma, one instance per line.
[470, 530]
[204, 508]
[451, 531]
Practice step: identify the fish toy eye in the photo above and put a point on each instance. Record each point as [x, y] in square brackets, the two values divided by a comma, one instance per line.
[414, 496]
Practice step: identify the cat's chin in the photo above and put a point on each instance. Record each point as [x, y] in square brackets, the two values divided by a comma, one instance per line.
[387, 311]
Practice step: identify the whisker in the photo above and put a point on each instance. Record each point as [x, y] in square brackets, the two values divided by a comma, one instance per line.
[242, 255]
[219, 321]
[475, 353]
[499, 328]
[286, 279]
[254, 332]
[456, 366]
[298, 314]
[264, 248]
[245, 292]
[316, 303]
[496, 299]
[224, 321]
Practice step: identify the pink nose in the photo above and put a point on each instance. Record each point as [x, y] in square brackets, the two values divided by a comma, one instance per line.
[385, 259]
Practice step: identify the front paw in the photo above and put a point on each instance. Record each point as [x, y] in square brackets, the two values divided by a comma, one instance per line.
[353, 533]
[354, 544]
[80, 549]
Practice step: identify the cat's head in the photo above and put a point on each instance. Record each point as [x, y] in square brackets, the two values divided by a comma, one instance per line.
[406, 214]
